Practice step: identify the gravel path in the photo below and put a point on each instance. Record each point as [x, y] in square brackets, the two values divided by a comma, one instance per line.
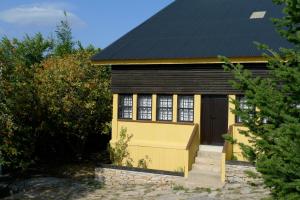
[61, 189]
[239, 186]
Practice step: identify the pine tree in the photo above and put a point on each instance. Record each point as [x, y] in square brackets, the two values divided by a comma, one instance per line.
[64, 39]
[274, 126]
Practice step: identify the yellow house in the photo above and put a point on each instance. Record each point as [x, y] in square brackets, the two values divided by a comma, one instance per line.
[170, 91]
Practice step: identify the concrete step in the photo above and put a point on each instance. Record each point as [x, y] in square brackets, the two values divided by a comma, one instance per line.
[206, 154]
[207, 161]
[211, 148]
[204, 179]
[199, 174]
[206, 171]
[207, 168]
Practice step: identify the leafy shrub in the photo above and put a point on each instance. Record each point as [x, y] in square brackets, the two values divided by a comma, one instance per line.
[51, 98]
[143, 163]
[76, 97]
[119, 153]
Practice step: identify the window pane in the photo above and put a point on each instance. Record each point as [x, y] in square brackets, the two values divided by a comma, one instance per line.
[125, 106]
[244, 107]
[186, 108]
[165, 108]
[242, 101]
[145, 107]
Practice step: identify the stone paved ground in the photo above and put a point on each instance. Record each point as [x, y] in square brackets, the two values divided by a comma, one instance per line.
[241, 184]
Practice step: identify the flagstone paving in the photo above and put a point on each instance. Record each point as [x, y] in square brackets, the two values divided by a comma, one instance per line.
[249, 187]
[55, 188]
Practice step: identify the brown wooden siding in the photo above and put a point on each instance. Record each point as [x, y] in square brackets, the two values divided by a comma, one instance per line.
[180, 79]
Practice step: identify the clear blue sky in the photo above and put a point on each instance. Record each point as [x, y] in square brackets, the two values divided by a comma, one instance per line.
[97, 22]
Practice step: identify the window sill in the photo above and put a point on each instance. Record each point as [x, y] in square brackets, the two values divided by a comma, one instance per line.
[238, 124]
[156, 122]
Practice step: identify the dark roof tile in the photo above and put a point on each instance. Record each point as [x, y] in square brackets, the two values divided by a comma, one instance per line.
[200, 29]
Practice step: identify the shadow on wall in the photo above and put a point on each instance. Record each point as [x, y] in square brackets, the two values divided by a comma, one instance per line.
[63, 149]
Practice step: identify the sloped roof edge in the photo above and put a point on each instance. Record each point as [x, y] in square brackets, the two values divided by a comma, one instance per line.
[212, 60]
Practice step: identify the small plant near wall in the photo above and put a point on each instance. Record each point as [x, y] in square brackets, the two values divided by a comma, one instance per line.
[119, 154]
[143, 163]
[180, 170]
[119, 151]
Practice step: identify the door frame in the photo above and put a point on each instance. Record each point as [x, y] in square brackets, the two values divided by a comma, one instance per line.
[225, 117]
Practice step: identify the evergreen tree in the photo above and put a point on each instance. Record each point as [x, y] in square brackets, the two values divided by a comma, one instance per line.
[64, 39]
[274, 126]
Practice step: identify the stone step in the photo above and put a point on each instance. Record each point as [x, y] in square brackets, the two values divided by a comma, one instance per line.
[207, 154]
[208, 161]
[204, 179]
[211, 148]
[206, 171]
[207, 168]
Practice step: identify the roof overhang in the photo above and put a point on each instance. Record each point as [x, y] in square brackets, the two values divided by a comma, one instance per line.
[212, 60]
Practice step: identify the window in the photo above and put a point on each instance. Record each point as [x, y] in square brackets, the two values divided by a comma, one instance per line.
[186, 109]
[243, 106]
[144, 107]
[125, 106]
[165, 107]
[258, 14]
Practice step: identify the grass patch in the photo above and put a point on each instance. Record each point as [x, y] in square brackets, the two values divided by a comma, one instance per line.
[201, 190]
[218, 190]
[179, 188]
[252, 174]
[148, 189]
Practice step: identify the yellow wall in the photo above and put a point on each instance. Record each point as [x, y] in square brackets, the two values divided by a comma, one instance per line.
[165, 144]
[134, 108]
[223, 167]
[158, 134]
[170, 146]
[175, 96]
[235, 150]
[154, 98]
[114, 123]
[231, 106]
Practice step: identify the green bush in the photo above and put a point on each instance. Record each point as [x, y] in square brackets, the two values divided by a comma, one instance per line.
[51, 98]
[119, 153]
[274, 127]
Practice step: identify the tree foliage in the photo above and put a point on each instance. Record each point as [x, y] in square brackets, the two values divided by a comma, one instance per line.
[19, 105]
[49, 89]
[274, 126]
[64, 40]
[75, 95]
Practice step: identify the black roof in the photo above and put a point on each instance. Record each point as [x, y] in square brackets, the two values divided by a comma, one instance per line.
[200, 29]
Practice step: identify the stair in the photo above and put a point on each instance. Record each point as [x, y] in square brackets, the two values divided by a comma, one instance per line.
[206, 171]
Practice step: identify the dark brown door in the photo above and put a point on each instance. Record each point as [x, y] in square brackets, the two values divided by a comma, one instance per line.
[214, 119]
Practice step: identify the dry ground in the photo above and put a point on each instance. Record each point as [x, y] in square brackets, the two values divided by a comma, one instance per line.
[76, 182]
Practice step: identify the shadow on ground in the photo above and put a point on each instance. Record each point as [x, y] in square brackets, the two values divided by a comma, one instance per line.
[52, 188]
[63, 182]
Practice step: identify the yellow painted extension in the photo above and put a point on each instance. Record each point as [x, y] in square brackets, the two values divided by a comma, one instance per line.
[165, 146]
[170, 146]
[235, 150]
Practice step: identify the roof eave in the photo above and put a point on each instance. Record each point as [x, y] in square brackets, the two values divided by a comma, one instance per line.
[212, 60]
